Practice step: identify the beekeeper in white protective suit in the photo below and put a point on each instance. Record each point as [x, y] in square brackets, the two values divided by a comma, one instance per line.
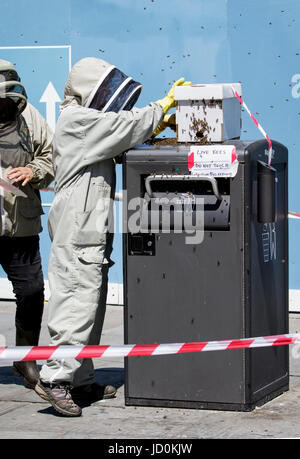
[96, 124]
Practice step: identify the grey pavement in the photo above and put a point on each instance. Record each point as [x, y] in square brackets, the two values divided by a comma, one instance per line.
[23, 415]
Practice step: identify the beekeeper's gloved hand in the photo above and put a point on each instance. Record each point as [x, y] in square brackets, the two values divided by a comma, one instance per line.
[168, 101]
[168, 121]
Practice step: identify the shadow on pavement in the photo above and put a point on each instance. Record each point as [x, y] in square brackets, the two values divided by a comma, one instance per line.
[103, 376]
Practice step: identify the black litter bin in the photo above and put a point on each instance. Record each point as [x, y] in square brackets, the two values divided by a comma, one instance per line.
[231, 285]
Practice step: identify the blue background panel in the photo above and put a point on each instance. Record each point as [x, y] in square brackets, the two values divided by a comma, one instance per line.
[37, 67]
[157, 41]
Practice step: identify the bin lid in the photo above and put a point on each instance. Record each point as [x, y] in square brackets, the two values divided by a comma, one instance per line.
[207, 91]
[178, 153]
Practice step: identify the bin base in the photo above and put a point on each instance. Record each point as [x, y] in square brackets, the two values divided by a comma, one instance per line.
[132, 401]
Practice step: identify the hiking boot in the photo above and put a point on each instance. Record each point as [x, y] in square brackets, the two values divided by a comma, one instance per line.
[93, 392]
[29, 371]
[60, 398]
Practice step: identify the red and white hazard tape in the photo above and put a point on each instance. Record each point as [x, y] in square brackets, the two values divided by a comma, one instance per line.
[294, 214]
[26, 353]
[257, 125]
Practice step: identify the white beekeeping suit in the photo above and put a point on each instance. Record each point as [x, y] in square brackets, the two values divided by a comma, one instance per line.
[97, 123]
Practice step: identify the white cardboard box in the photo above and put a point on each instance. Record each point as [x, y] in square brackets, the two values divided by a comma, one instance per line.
[208, 112]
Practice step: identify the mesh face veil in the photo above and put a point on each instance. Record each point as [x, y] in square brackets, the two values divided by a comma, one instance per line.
[11, 86]
[114, 91]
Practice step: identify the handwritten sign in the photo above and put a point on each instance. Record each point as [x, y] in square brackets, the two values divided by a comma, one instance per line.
[213, 160]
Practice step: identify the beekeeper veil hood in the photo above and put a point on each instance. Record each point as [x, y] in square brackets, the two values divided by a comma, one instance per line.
[97, 84]
[11, 86]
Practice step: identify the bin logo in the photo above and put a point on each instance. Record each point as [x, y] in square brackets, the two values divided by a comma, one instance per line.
[269, 242]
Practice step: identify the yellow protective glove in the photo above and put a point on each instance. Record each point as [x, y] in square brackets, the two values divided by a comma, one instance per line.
[168, 121]
[168, 101]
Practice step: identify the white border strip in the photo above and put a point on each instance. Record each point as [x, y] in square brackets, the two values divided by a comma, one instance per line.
[69, 47]
[294, 300]
[114, 294]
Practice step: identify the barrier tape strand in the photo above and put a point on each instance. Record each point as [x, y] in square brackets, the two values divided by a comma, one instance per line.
[27, 353]
[256, 124]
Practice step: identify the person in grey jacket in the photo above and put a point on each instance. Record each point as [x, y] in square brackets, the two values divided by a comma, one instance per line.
[26, 162]
[97, 123]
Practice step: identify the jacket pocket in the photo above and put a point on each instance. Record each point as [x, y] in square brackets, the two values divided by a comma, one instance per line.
[91, 254]
[27, 217]
[90, 228]
[31, 211]
[31, 206]
[93, 221]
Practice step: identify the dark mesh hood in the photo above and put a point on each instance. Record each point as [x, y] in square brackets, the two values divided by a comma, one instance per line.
[11, 86]
[95, 83]
[115, 92]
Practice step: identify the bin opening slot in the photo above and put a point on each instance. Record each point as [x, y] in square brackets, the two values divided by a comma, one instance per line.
[175, 201]
[193, 187]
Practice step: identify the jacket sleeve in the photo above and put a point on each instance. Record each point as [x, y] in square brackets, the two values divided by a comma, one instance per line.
[41, 136]
[100, 136]
[118, 132]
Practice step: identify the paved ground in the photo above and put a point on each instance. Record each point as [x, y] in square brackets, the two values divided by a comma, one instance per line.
[24, 415]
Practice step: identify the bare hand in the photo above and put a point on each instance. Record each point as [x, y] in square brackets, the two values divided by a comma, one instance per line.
[21, 174]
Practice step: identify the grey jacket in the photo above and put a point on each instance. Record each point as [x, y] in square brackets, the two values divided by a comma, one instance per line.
[26, 142]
